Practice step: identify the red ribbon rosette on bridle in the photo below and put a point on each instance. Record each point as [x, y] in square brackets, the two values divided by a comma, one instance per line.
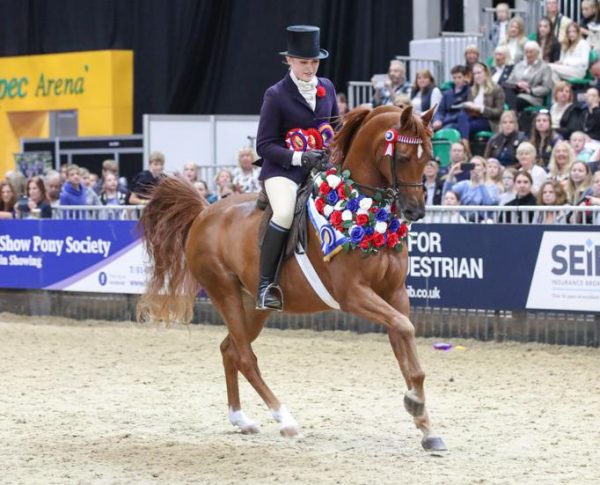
[391, 136]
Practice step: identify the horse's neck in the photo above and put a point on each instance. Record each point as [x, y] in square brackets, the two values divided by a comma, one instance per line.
[363, 172]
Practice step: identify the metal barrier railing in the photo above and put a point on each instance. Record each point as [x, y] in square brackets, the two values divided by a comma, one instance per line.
[563, 214]
[453, 49]
[359, 92]
[416, 64]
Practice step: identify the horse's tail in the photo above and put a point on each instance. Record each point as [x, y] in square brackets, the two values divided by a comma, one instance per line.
[165, 223]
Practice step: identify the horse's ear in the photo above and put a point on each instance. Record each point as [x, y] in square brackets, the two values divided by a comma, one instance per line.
[406, 115]
[428, 115]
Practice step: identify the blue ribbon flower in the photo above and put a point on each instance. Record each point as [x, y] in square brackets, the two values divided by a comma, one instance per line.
[332, 198]
[352, 205]
[394, 225]
[357, 234]
[381, 215]
[369, 230]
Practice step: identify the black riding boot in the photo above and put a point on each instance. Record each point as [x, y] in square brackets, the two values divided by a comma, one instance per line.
[269, 295]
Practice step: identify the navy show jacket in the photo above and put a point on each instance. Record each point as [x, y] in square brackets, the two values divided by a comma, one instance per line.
[283, 109]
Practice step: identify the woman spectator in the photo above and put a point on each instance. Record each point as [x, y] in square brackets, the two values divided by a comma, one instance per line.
[516, 39]
[524, 197]
[451, 199]
[590, 119]
[530, 81]
[245, 176]
[494, 170]
[222, 178]
[574, 56]
[589, 18]
[563, 107]
[526, 156]
[503, 146]
[549, 44]
[424, 93]
[477, 190]
[543, 137]
[592, 197]
[111, 195]
[35, 204]
[342, 104]
[551, 193]
[8, 199]
[503, 65]
[508, 181]
[484, 106]
[190, 171]
[471, 58]
[202, 187]
[578, 140]
[561, 160]
[580, 180]
[432, 185]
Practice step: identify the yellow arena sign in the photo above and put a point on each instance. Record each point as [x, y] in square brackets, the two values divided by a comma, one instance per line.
[97, 85]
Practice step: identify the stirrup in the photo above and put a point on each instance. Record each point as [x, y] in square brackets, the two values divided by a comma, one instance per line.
[260, 304]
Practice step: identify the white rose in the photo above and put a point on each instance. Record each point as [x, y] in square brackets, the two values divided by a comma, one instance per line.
[362, 211]
[381, 227]
[339, 205]
[333, 181]
[346, 215]
[366, 203]
[327, 210]
[354, 194]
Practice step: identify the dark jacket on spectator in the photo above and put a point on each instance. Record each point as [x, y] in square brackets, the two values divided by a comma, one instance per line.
[506, 71]
[69, 195]
[121, 198]
[543, 152]
[504, 148]
[142, 184]
[43, 206]
[554, 54]
[445, 113]
[438, 190]
[571, 120]
[591, 123]
[517, 217]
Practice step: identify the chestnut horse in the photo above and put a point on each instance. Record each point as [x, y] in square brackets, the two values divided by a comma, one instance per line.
[215, 247]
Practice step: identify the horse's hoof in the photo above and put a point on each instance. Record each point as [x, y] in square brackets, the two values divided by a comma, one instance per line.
[291, 432]
[252, 428]
[413, 405]
[434, 445]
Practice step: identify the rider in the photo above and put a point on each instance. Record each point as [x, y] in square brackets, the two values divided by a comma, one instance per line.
[294, 128]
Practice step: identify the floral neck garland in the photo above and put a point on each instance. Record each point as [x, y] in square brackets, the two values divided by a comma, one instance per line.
[367, 224]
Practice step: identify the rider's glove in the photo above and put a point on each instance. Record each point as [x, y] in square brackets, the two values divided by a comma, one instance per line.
[315, 159]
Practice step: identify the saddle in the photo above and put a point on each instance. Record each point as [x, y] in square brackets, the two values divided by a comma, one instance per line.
[298, 231]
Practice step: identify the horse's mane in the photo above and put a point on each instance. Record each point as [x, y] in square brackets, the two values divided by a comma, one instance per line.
[360, 116]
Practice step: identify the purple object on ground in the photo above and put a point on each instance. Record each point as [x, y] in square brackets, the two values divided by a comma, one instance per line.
[442, 346]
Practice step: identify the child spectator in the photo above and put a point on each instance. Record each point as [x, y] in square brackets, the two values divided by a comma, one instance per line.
[524, 197]
[503, 146]
[503, 65]
[452, 99]
[73, 192]
[574, 55]
[526, 155]
[451, 199]
[227, 189]
[190, 171]
[580, 180]
[110, 166]
[424, 92]
[561, 160]
[516, 39]
[508, 181]
[549, 44]
[224, 177]
[8, 199]
[111, 195]
[36, 204]
[578, 140]
[551, 193]
[543, 137]
[202, 187]
[145, 181]
[245, 175]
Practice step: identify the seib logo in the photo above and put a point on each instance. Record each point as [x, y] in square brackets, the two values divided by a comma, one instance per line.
[576, 259]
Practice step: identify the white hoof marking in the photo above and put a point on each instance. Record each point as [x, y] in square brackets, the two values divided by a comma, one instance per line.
[247, 426]
[289, 426]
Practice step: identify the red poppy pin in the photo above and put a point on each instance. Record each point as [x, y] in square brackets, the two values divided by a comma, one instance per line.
[321, 91]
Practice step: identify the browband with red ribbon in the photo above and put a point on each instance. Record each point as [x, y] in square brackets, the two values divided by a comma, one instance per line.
[392, 137]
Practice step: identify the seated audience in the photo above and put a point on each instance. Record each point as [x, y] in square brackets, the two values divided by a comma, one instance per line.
[524, 197]
[494, 170]
[580, 180]
[245, 175]
[342, 104]
[551, 193]
[447, 113]
[145, 181]
[458, 156]
[73, 192]
[561, 160]
[471, 57]
[562, 106]
[478, 190]
[508, 181]
[111, 194]
[543, 137]
[394, 84]
[549, 44]
[485, 104]
[574, 55]
[35, 204]
[516, 39]
[424, 93]
[451, 198]
[224, 177]
[503, 65]
[503, 146]
[202, 187]
[530, 81]
[578, 140]
[53, 185]
[589, 16]
[590, 120]
[190, 171]
[432, 185]
[8, 199]
[526, 155]
[559, 21]
[499, 30]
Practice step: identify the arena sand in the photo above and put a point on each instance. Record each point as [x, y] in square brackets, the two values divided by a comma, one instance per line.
[95, 402]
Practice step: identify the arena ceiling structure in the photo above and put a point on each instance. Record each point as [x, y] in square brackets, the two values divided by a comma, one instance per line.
[210, 56]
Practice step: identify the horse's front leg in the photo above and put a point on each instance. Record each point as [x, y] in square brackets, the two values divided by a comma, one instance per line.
[364, 302]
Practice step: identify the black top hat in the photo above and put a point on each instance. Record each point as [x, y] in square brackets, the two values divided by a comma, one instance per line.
[303, 42]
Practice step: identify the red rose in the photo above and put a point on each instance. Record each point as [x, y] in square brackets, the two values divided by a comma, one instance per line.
[362, 219]
[320, 91]
[373, 210]
[378, 240]
[324, 188]
[320, 204]
[331, 171]
[341, 192]
[336, 218]
[392, 239]
[403, 230]
[366, 242]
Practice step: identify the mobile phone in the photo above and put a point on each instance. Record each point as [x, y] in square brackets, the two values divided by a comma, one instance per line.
[467, 166]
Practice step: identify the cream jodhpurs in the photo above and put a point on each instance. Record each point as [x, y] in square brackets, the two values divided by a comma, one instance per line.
[282, 196]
